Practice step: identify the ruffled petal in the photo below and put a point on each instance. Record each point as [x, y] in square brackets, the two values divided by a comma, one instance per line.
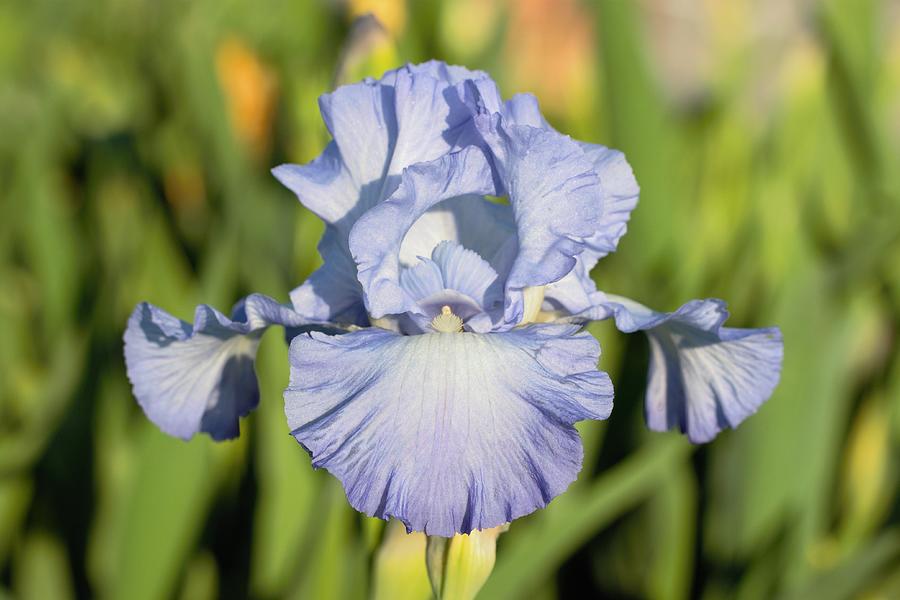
[452, 74]
[703, 377]
[618, 186]
[350, 175]
[376, 238]
[332, 293]
[324, 186]
[472, 88]
[523, 109]
[620, 193]
[430, 116]
[447, 432]
[576, 291]
[197, 378]
[556, 197]
[617, 195]
[413, 114]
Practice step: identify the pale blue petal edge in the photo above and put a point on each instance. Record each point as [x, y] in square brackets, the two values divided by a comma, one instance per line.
[620, 193]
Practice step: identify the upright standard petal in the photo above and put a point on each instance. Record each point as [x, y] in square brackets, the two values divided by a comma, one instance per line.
[447, 432]
[411, 115]
[523, 109]
[575, 292]
[703, 377]
[555, 195]
[619, 197]
[468, 90]
[615, 196]
[377, 237]
[189, 379]
[325, 186]
[619, 189]
[332, 293]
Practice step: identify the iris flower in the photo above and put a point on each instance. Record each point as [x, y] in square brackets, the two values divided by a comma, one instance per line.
[438, 362]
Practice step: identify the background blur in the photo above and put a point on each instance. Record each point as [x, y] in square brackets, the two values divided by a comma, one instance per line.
[135, 142]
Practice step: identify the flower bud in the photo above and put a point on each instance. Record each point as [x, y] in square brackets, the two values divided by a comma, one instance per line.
[459, 566]
[399, 570]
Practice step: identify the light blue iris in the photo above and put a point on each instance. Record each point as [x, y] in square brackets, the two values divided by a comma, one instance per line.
[448, 399]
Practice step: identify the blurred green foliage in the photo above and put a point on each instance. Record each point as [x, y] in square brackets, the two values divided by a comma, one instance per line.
[136, 141]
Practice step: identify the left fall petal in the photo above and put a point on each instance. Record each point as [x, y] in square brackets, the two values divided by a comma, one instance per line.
[199, 378]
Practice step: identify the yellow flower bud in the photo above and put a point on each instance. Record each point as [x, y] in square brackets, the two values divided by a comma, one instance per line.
[459, 566]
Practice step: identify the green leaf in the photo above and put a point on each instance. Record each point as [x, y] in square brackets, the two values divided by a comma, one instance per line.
[284, 517]
[15, 496]
[855, 574]
[529, 557]
[42, 569]
[165, 511]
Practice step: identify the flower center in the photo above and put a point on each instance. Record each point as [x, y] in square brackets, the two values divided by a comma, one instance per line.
[447, 322]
